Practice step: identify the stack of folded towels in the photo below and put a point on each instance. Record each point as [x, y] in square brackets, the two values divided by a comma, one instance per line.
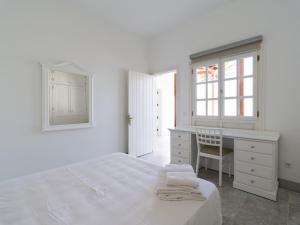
[180, 183]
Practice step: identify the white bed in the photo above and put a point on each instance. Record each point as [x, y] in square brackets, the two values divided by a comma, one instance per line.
[112, 190]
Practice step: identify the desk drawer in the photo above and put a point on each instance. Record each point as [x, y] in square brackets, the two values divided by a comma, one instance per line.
[254, 146]
[254, 181]
[180, 152]
[182, 144]
[180, 135]
[252, 169]
[179, 160]
[252, 157]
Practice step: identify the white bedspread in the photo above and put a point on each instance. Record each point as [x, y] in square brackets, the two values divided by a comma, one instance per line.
[112, 190]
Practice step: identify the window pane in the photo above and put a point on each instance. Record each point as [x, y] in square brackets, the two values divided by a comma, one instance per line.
[230, 69]
[212, 107]
[212, 72]
[201, 74]
[212, 90]
[201, 108]
[246, 86]
[246, 107]
[230, 88]
[201, 91]
[230, 107]
[246, 66]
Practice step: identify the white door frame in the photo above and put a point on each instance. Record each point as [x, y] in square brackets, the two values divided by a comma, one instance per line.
[175, 97]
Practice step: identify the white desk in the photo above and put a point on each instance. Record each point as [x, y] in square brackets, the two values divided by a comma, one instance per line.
[255, 157]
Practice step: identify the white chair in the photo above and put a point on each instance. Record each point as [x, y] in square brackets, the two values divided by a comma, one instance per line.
[210, 145]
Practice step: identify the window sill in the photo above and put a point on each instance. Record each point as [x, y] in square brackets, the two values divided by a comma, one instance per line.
[245, 123]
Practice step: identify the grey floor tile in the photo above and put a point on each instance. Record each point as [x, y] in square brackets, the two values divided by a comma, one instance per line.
[283, 196]
[257, 210]
[232, 201]
[289, 222]
[227, 220]
[294, 197]
[294, 213]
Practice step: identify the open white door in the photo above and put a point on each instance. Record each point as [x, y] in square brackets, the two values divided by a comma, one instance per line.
[140, 113]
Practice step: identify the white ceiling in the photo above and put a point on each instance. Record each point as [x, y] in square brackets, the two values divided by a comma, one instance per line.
[149, 18]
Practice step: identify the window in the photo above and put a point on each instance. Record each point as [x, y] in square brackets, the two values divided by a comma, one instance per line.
[239, 86]
[226, 88]
[207, 88]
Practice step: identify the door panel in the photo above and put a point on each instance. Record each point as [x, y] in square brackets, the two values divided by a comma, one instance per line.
[140, 113]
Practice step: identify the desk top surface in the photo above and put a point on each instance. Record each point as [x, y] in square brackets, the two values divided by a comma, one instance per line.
[236, 133]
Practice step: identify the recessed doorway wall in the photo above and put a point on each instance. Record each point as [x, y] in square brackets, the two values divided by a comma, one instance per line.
[164, 116]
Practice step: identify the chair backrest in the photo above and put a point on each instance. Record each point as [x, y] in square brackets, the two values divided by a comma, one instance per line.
[209, 136]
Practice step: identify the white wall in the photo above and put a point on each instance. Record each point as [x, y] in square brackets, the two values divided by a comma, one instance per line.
[278, 21]
[34, 30]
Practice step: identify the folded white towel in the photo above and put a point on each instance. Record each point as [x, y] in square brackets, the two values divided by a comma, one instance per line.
[165, 189]
[179, 168]
[178, 193]
[181, 174]
[181, 197]
[180, 183]
[188, 179]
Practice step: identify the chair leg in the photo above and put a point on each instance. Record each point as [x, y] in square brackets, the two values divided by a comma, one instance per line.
[205, 164]
[220, 172]
[198, 164]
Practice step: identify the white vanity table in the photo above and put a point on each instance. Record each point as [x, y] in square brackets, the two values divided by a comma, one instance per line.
[255, 157]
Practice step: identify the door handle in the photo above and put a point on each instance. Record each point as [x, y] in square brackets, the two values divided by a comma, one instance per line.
[129, 118]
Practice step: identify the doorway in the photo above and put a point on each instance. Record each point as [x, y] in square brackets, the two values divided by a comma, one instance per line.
[164, 116]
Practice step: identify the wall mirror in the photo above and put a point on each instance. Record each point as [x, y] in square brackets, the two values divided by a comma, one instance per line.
[67, 97]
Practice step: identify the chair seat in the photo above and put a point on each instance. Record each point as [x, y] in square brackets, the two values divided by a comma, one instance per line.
[214, 150]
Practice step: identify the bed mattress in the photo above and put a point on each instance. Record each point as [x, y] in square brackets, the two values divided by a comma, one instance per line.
[111, 190]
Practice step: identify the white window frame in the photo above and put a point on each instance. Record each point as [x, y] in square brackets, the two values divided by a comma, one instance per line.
[194, 88]
[221, 118]
[239, 117]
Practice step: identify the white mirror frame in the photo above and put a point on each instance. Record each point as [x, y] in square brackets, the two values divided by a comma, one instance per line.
[67, 67]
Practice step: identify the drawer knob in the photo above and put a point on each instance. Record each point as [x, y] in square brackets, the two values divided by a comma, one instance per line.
[252, 170]
[179, 153]
[252, 181]
[252, 158]
[252, 146]
[179, 160]
[179, 144]
[179, 136]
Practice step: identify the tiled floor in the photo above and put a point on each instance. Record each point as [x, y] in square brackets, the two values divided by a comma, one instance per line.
[241, 208]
